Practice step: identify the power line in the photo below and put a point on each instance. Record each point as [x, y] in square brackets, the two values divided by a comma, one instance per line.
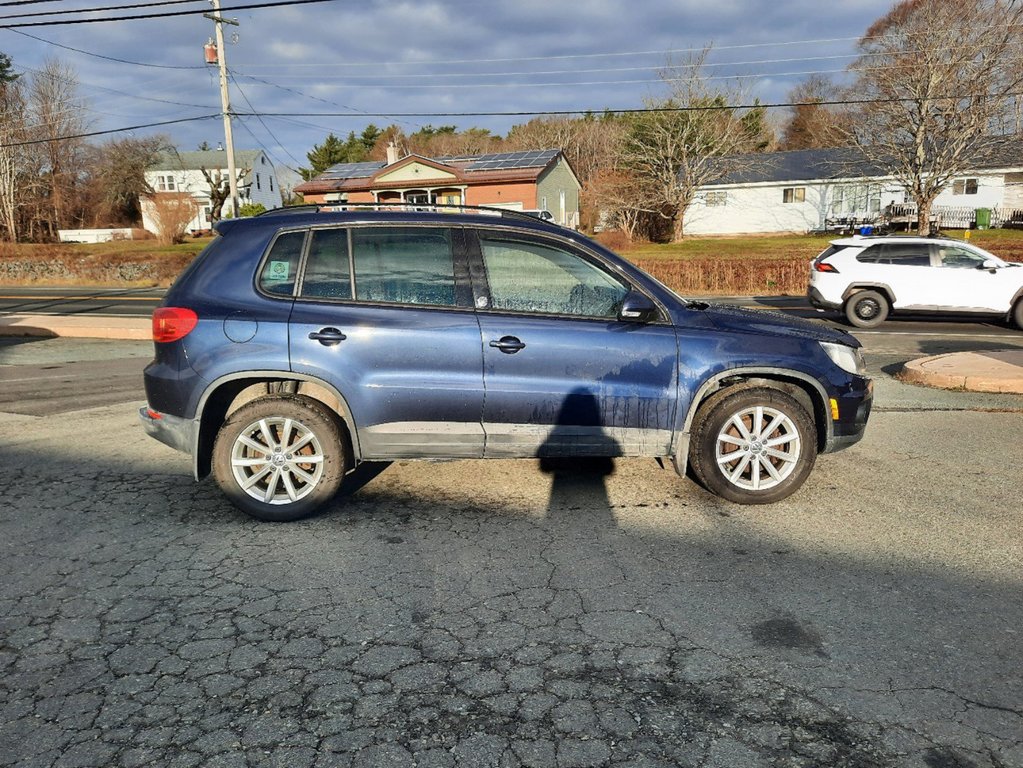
[165, 14]
[108, 58]
[624, 111]
[28, 2]
[111, 130]
[265, 128]
[99, 9]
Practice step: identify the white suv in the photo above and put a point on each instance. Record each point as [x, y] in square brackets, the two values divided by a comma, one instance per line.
[868, 277]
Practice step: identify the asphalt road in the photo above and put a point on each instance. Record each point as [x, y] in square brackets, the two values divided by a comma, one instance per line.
[502, 613]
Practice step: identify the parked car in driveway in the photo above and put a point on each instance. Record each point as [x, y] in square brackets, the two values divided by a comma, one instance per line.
[869, 278]
[301, 343]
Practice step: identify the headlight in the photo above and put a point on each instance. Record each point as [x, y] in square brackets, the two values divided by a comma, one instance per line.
[847, 358]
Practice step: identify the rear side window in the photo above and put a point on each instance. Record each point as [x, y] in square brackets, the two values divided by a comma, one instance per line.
[897, 254]
[529, 277]
[831, 250]
[281, 265]
[395, 265]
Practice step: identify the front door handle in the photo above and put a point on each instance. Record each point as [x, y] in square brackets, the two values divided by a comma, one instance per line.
[328, 337]
[508, 344]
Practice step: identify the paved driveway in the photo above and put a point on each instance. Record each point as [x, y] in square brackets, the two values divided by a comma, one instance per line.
[515, 614]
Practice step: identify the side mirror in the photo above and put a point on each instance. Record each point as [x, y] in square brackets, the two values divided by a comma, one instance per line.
[990, 264]
[637, 308]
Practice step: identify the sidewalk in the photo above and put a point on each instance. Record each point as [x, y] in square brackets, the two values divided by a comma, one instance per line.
[999, 370]
[77, 326]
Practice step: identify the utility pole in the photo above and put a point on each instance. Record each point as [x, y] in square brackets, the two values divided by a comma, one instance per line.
[225, 102]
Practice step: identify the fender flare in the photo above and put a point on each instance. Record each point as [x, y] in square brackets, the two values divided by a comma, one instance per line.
[344, 413]
[680, 452]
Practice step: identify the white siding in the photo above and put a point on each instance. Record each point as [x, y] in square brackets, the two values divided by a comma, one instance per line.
[266, 190]
[760, 207]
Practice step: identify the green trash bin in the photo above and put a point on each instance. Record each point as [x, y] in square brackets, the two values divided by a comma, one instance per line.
[983, 218]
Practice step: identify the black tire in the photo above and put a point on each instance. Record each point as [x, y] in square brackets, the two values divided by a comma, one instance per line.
[867, 309]
[716, 436]
[299, 487]
[1017, 314]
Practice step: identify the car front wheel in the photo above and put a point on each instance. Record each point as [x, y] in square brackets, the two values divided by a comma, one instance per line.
[866, 309]
[1017, 314]
[279, 458]
[753, 446]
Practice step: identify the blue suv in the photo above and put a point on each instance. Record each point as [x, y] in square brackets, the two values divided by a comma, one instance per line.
[300, 343]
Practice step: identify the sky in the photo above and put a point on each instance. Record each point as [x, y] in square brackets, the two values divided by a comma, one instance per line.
[337, 66]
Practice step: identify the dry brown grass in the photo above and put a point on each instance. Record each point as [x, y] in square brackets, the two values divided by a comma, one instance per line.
[754, 277]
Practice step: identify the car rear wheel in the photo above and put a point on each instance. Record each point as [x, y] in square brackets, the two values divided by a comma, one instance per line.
[1017, 314]
[866, 309]
[279, 458]
[753, 446]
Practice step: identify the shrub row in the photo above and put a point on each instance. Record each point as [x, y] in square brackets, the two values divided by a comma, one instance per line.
[743, 277]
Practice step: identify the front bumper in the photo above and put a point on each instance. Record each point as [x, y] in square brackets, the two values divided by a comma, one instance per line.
[170, 430]
[853, 412]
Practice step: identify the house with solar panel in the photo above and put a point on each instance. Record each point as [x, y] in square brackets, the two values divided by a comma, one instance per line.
[533, 180]
[183, 172]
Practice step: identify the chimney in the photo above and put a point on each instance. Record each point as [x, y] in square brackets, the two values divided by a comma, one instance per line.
[392, 153]
[220, 147]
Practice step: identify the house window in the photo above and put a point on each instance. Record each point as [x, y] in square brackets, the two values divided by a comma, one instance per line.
[964, 187]
[258, 186]
[271, 183]
[717, 198]
[793, 194]
[165, 183]
[855, 200]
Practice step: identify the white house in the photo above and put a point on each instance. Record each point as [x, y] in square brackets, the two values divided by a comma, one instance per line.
[182, 172]
[818, 189]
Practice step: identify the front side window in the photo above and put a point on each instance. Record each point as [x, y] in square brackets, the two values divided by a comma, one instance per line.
[533, 277]
[397, 265]
[793, 194]
[959, 258]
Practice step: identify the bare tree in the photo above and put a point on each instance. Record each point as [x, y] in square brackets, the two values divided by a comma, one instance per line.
[814, 123]
[117, 175]
[220, 189]
[939, 75]
[688, 140]
[12, 152]
[57, 116]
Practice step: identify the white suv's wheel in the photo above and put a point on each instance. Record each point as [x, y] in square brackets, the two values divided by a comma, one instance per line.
[866, 309]
[1017, 314]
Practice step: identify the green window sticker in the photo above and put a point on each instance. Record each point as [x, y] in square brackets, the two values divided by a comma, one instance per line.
[279, 270]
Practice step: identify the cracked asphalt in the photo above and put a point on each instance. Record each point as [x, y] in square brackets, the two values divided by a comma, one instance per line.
[516, 614]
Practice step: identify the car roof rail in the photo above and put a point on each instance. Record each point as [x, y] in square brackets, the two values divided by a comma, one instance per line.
[401, 206]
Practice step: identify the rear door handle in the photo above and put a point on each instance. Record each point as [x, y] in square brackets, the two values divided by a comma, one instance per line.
[328, 337]
[508, 344]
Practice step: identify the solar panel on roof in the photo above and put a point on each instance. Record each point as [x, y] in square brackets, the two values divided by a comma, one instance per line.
[353, 170]
[532, 158]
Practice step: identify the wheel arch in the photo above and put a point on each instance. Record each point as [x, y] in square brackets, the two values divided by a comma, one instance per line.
[803, 387]
[229, 393]
[862, 286]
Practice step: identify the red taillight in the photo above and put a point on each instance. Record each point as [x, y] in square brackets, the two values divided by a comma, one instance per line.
[173, 323]
[823, 266]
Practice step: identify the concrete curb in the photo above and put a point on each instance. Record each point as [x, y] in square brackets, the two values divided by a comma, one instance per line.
[81, 327]
[998, 370]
